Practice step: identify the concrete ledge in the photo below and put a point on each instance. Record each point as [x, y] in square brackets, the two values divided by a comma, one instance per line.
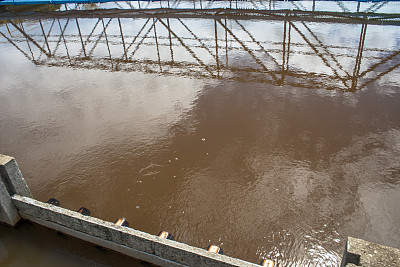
[8, 212]
[12, 177]
[104, 243]
[126, 240]
[367, 254]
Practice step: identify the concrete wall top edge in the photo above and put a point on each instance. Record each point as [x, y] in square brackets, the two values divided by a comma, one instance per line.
[29, 206]
[4, 159]
[367, 254]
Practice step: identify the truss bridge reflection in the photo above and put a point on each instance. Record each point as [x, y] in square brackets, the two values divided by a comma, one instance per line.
[296, 48]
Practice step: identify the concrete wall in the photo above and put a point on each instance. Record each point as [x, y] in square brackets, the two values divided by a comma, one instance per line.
[12, 177]
[11, 182]
[126, 240]
[8, 212]
[367, 254]
[16, 201]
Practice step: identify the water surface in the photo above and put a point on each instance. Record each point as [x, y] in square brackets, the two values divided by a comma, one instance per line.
[273, 139]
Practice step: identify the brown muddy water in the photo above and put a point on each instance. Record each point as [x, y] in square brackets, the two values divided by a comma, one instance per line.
[272, 139]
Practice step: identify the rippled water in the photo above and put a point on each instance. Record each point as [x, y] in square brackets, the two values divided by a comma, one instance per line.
[253, 135]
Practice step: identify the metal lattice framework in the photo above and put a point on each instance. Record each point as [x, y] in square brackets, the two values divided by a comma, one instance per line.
[307, 5]
[169, 42]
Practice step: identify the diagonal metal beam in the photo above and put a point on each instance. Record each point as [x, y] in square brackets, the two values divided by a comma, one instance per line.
[256, 59]
[342, 6]
[319, 55]
[262, 3]
[141, 41]
[108, 46]
[376, 65]
[30, 38]
[380, 6]
[118, 5]
[296, 6]
[176, 3]
[186, 47]
[254, 4]
[326, 50]
[134, 39]
[257, 42]
[90, 35]
[16, 46]
[8, 29]
[26, 39]
[62, 34]
[44, 36]
[371, 7]
[99, 38]
[197, 38]
[300, 4]
[380, 75]
[48, 35]
[60, 37]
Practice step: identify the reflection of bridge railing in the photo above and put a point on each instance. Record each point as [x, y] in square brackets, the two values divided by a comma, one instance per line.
[218, 13]
[308, 5]
[171, 45]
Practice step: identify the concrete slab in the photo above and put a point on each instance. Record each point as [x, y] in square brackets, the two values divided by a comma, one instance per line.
[8, 212]
[12, 177]
[367, 254]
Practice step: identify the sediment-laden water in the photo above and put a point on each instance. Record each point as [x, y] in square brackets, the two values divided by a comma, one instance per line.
[270, 138]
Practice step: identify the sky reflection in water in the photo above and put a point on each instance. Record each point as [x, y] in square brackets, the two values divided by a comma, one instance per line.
[229, 142]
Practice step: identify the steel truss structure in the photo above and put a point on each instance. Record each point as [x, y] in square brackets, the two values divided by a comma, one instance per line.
[170, 42]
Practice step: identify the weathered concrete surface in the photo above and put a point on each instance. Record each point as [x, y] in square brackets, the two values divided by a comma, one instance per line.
[132, 242]
[8, 212]
[104, 243]
[367, 254]
[12, 177]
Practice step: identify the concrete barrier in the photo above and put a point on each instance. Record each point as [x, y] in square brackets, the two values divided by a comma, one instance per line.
[126, 240]
[367, 254]
[11, 182]
[12, 177]
[16, 202]
[8, 212]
